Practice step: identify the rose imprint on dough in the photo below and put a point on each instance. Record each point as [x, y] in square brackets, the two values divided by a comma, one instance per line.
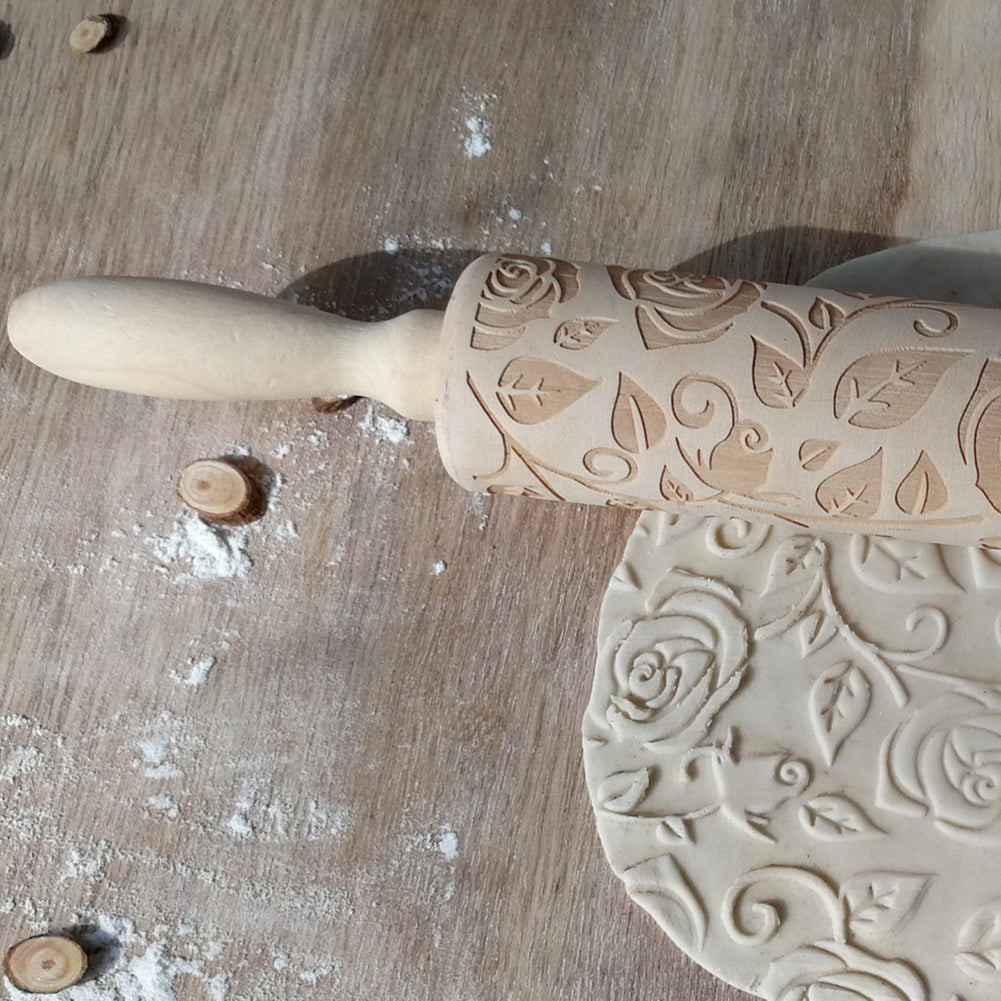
[793, 751]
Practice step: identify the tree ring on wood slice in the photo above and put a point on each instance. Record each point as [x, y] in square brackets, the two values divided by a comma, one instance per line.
[45, 964]
[221, 492]
[793, 753]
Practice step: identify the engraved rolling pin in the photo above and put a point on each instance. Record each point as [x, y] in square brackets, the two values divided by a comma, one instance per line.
[603, 385]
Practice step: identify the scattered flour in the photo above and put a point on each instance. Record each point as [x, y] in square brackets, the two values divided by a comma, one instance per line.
[80, 865]
[445, 841]
[211, 551]
[383, 427]
[260, 816]
[157, 745]
[448, 844]
[155, 751]
[391, 245]
[478, 141]
[198, 672]
[478, 506]
[285, 530]
[514, 214]
[164, 805]
[546, 247]
[438, 568]
[21, 761]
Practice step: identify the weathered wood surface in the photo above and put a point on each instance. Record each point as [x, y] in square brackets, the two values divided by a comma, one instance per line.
[351, 769]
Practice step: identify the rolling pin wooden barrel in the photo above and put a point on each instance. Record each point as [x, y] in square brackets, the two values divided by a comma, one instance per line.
[607, 385]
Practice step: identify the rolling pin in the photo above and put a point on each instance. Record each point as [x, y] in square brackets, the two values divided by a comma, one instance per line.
[603, 385]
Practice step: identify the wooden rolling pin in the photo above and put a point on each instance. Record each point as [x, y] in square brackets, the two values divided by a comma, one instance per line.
[604, 385]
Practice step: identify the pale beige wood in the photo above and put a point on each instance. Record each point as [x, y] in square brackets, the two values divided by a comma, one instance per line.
[353, 690]
[196, 341]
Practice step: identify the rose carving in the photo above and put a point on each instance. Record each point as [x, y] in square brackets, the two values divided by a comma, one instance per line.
[680, 308]
[517, 290]
[946, 762]
[830, 970]
[671, 673]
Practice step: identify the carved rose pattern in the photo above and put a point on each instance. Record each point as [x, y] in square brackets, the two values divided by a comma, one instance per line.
[733, 396]
[517, 290]
[814, 712]
[682, 309]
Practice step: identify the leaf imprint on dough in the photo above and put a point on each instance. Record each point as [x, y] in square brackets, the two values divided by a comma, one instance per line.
[638, 423]
[837, 818]
[815, 631]
[779, 381]
[979, 944]
[815, 453]
[662, 888]
[839, 700]
[854, 492]
[575, 335]
[922, 490]
[624, 578]
[624, 791]
[879, 902]
[533, 390]
[884, 389]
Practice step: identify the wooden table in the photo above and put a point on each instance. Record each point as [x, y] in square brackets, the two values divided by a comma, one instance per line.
[340, 758]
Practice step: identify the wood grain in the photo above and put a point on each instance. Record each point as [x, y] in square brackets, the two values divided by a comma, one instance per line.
[283, 825]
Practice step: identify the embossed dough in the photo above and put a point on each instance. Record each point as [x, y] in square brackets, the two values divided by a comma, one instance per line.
[793, 749]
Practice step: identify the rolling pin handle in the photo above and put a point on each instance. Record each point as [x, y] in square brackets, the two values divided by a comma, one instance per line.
[191, 341]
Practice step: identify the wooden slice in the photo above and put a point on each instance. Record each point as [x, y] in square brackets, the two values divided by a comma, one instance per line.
[45, 964]
[92, 34]
[220, 491]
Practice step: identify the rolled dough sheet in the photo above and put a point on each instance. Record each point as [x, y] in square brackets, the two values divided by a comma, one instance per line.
[793, 743]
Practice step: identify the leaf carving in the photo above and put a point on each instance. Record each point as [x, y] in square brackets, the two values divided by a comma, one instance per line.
[922, 490]
[575, 335]
[979, 944]
[779, 381]
[885, 389]
[662, 888]
[825, 315]
[672, 490]
[624, 791]
[638, 423]
[879, 902]
[839, 700]
[854, 492]
[532, 390]
[980, 432]
[815, 453]
[837, 818]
